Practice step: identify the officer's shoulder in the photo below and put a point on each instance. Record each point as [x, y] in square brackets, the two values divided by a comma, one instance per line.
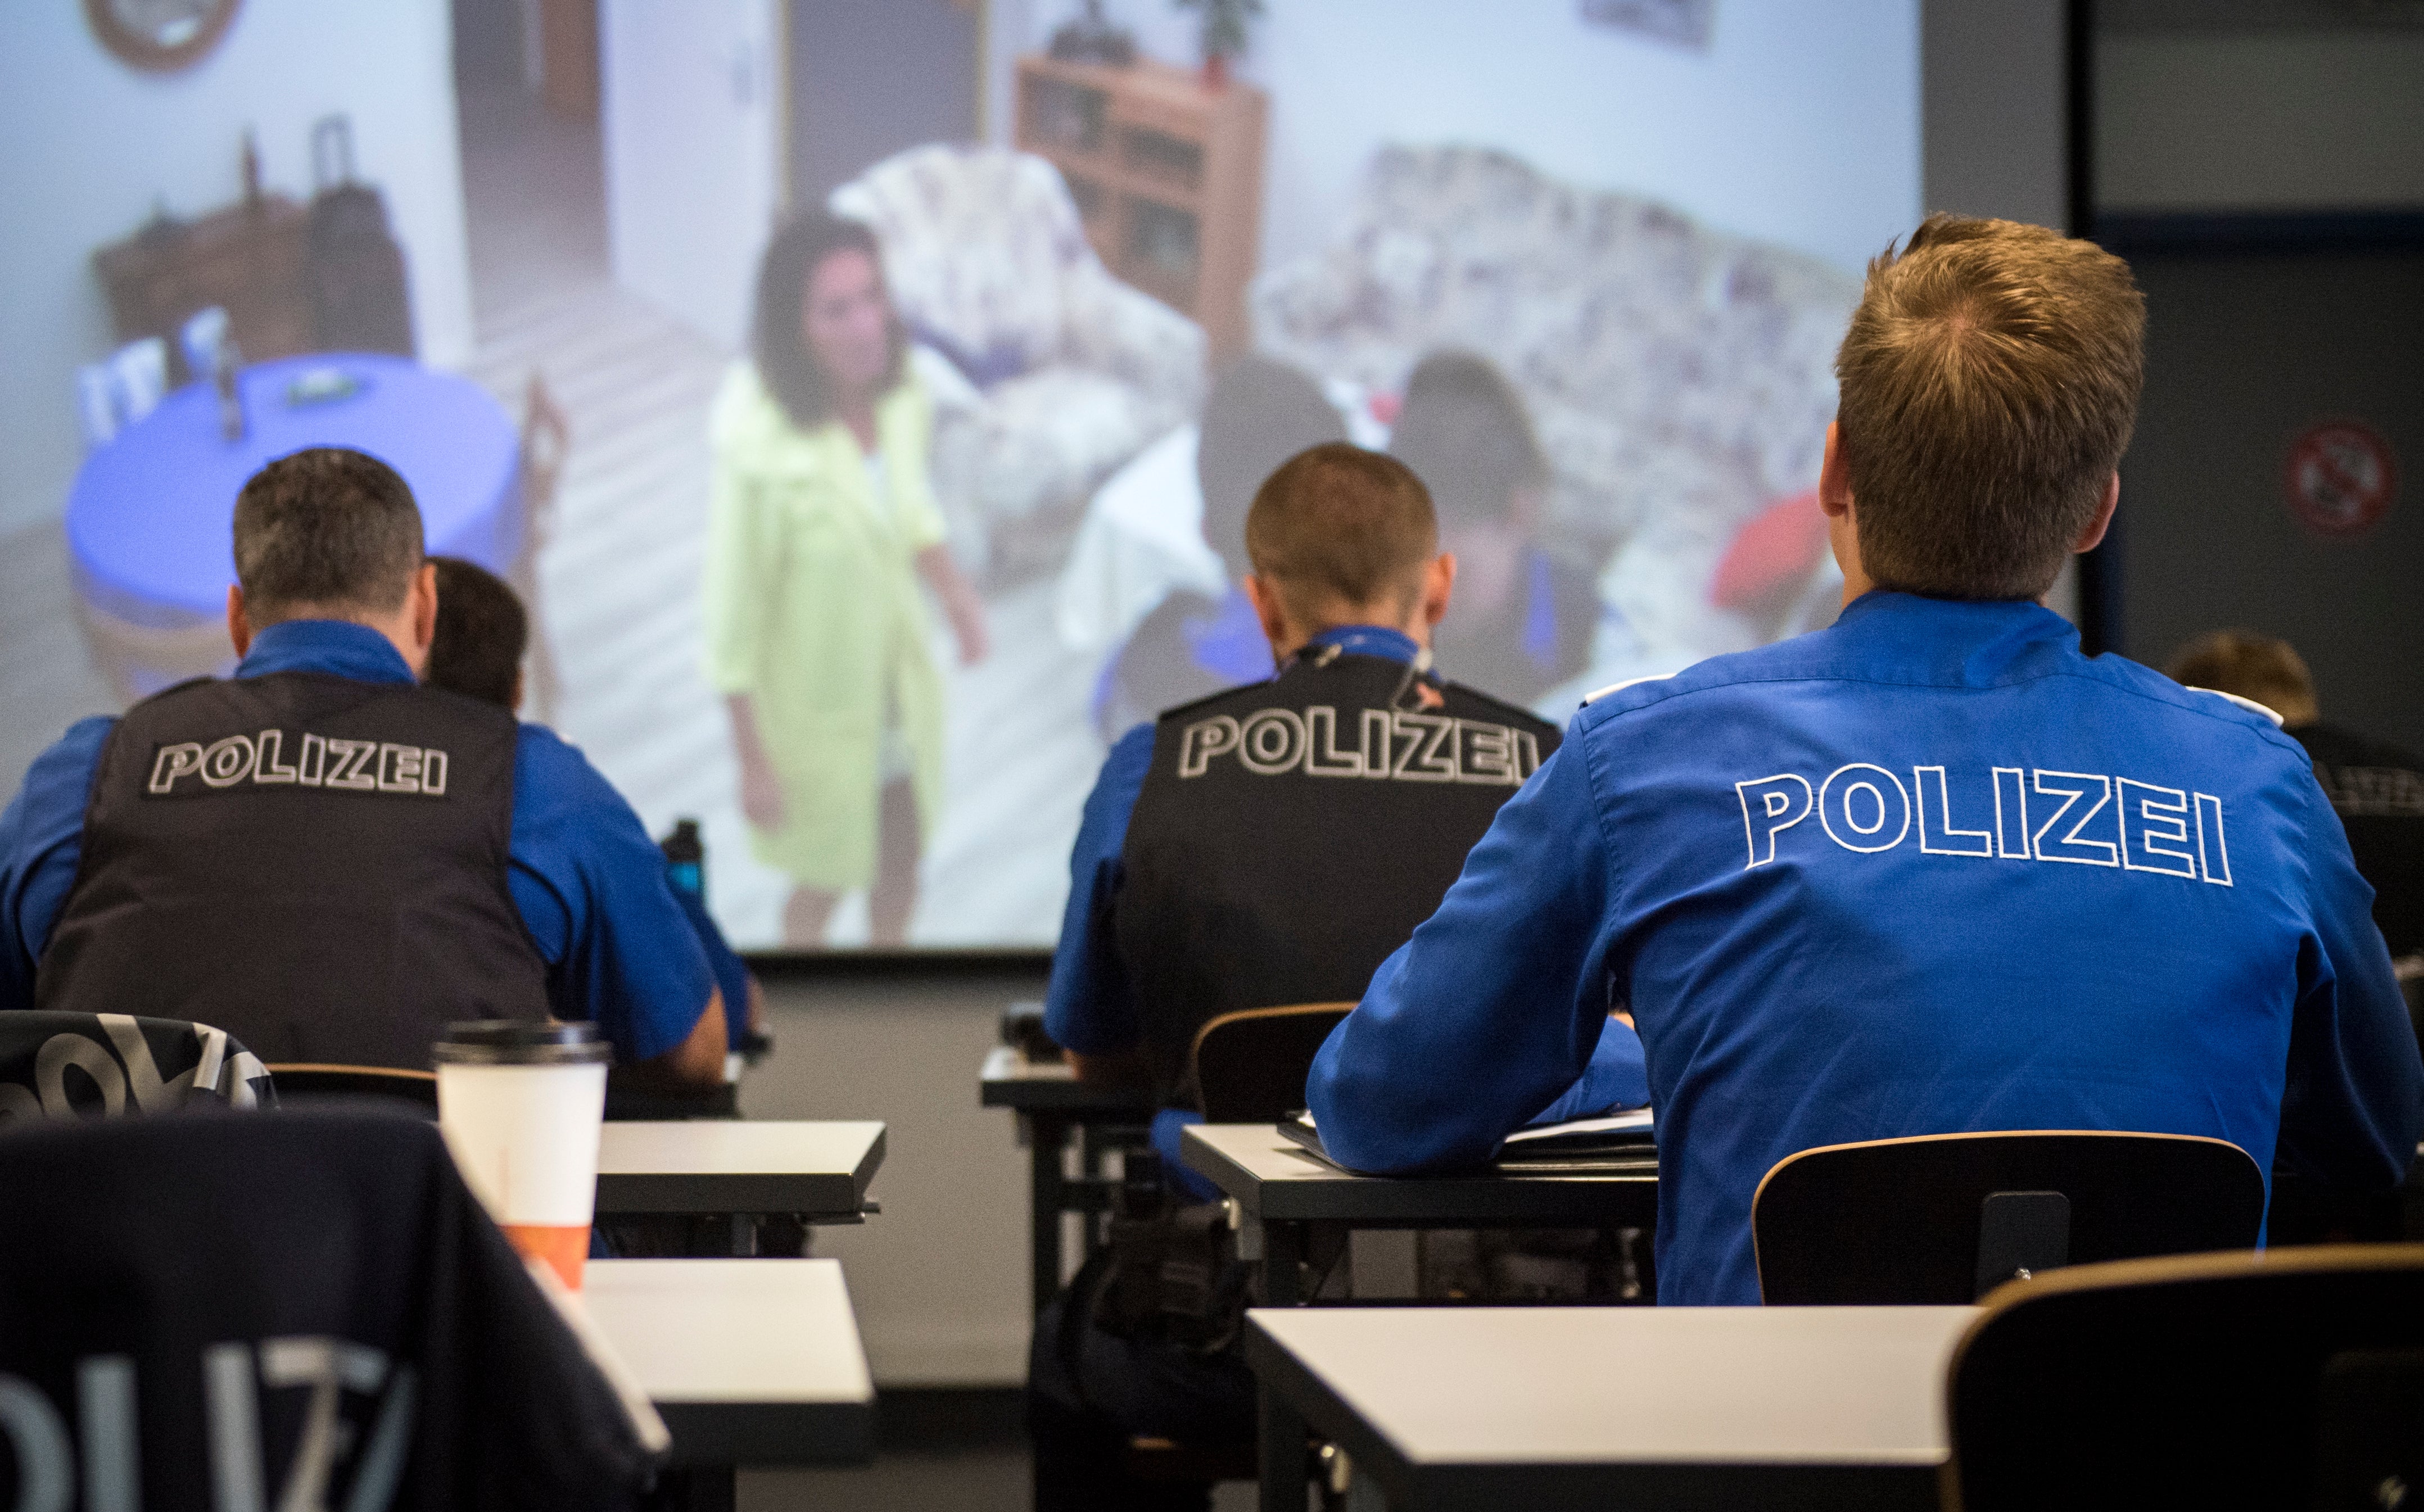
[1504, 712]
[2208, 705]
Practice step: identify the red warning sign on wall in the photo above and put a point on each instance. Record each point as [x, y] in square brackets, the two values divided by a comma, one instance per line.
[2339, 477]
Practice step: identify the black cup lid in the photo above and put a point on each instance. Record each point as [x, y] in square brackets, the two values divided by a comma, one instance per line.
[522, 1043]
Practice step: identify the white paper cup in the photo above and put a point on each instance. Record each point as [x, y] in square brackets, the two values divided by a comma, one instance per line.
[519, 1104]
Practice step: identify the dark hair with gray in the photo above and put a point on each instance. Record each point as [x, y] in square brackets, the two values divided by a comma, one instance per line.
[325, 529]
[1464, 430]
[779, 346]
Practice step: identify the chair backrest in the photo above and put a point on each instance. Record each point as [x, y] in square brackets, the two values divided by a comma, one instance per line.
[290, 1309]
[1252, 1064]
[66, 1065]
[1943, 1218]
[2288, 1379]
[312, 1079]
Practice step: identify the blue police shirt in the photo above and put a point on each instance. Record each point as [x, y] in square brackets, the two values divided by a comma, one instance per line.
[1930, 870]
[1089, 1009]
[587, 881]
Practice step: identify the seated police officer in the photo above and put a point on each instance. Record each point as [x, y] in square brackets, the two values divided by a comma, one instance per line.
[327, 860]
[1265, 846]
[1929, 870]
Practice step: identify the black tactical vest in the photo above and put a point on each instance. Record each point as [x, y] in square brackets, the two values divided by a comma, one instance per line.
[315, 865]
[1291, 834]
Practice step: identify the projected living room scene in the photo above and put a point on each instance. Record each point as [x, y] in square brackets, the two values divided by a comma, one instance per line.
[610, 282]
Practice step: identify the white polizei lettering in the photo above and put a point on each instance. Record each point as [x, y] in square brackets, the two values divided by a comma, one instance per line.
[175, 761]
[2149, 815]
[2012, 816]
[45, 1464]
[349, 765]
[1202, 740]
[2072, 787]
[113, 1460]
[1936, 835]
[327, 1366]
[1378, 735]
[228, 761]
[1859, 798]
[382, 1462]
[1528, 760]
[1485, 754]
[1775, 797]
[1271, 741]
[312, 764]
[2211, 847]
[1322, 757]
[235, 1411]
[433, 773]
[1424, 759]
[399, 768]
[266, 768]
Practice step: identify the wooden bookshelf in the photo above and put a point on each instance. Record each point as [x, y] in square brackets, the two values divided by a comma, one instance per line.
[1167, 174]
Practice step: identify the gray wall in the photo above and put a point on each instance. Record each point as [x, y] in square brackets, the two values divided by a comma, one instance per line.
[939, 1277]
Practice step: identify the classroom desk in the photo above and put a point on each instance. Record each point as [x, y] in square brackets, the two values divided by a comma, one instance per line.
[752, 1363]
[1052, 1104]
[1282, 1191]
[815, 1173]
[1607, 1407]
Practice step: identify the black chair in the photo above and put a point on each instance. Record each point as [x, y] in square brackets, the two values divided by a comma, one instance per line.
[2289, 1379]
[1252, 1064]
[289, 1308]
[1944, 1218]
[65, 1065]
[316, 1080]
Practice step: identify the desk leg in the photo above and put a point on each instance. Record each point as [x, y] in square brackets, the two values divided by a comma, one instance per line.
[1048, 1136]
[1278, 1432]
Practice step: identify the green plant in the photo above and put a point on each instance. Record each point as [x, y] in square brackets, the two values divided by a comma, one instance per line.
[1224, 23]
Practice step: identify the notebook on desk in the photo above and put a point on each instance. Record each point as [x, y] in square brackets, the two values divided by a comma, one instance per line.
[1619, 1143]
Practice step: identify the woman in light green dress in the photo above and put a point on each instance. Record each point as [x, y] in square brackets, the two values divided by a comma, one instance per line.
[820, 525]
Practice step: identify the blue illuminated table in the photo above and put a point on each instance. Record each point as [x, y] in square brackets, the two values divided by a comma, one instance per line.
[148, 520]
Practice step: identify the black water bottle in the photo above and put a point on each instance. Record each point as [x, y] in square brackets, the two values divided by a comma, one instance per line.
[686, 859]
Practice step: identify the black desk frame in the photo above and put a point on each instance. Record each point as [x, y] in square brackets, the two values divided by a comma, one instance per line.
[1050, 1109]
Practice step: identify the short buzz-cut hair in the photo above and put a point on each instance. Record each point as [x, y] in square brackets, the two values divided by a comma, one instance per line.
[482, 632]
[325, 529]
[1989, 383]
[1341, 528]
[2258, 667]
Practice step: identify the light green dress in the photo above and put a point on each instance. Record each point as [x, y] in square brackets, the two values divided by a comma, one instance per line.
[812, 609]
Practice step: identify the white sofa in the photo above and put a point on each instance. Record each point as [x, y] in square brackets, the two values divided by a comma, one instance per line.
[1048, 373]
[1680, 378]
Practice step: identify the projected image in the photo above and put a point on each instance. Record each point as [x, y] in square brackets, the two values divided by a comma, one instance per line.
[865, 396]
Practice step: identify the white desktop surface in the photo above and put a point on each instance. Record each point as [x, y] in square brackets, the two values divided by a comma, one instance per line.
[756, 1331]
[1638, 1385]
[726, 1147]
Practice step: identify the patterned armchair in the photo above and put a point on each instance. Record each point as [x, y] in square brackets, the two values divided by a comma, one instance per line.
[1047, 372]
[1680, 379]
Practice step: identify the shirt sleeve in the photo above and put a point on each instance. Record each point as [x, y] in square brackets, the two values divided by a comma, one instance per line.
[1088, 1007]
[921, 518]
[42, 843]
[731, 972]
[1617, 1077]
[2353, 1107]
[591, 887]
[1494, 1008]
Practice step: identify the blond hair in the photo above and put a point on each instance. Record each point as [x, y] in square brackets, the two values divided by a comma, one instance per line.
[1988, 384]
[2255, 666]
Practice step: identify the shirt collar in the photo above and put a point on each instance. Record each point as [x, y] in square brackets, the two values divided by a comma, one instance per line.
[1368, 640]
[339, 647]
